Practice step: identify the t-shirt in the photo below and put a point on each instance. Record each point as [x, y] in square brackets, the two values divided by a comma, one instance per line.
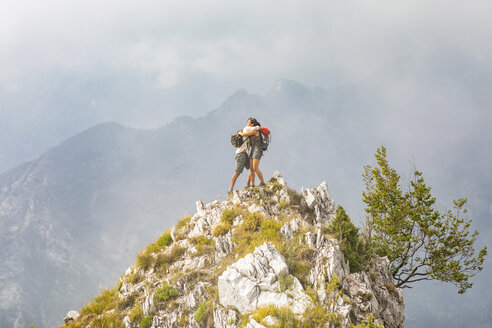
[245, 146]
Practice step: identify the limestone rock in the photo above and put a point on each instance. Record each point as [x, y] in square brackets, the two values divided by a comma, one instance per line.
[148, 304]
[225, 318]
[71, 316]
[253, 281]
[223, 246]
[270, 321]
[280, 179]
[253, 324]
[319, 200]
[294, 225]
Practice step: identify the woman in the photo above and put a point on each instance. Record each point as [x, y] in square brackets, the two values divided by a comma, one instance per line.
[255, 154]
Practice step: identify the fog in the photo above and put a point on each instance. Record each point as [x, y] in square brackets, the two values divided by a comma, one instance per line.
[66, 66]
[423, 68]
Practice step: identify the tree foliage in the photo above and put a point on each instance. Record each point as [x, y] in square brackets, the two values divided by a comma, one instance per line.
[354, 248]
[421, 242]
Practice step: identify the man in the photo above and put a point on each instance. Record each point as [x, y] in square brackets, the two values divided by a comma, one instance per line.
[242, 157]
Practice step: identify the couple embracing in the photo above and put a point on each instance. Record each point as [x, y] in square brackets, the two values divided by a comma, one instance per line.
[248, 155]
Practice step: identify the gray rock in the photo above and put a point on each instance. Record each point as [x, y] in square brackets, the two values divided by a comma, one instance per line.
[270, 321]
[253, 281]
[319, 200]
[225, 318]
[223, 246]
[277, 175]
[253, 324]
[148, 304]
[71, 316]
[294, 225]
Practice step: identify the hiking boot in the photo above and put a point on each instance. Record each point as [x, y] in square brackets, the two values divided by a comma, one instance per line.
[261, 184]
[229, 193]
[249, 186]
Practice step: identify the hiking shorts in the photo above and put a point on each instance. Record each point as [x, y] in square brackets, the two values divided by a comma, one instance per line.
[256, 153]
[242, 161]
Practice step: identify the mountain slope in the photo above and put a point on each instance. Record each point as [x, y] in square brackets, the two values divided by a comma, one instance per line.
[261, 258]
[72, 220]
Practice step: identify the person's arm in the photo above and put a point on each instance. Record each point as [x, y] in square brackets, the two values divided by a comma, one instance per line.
[250, 130]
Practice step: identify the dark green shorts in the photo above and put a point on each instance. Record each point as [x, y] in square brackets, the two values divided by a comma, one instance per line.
[242, 161]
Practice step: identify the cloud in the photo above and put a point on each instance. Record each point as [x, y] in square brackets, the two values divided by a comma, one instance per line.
[250, 40]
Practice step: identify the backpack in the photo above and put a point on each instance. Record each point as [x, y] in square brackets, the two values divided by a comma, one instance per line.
[237, 140]
[266, 138]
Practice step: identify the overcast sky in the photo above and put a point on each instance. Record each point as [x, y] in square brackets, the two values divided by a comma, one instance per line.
[67, 65]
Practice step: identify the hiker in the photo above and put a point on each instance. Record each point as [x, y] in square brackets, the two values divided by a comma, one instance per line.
[255, 154]
[242, 157]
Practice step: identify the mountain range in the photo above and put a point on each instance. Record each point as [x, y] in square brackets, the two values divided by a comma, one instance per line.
[73, 219]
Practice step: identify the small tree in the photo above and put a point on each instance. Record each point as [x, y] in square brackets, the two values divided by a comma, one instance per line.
[354, 249]
[420, 242]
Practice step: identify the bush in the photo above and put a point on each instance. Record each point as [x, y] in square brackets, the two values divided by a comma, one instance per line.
[229, 215]
[146, 322]
[252, 221]
[221, 228]
[204, 311]
[136, 314]
[165, 293]
[355, 250]
[165, 240]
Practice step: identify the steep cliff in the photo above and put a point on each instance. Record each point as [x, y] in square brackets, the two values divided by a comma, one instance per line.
[261, 258]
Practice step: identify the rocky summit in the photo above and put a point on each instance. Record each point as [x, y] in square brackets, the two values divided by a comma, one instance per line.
[261, 258]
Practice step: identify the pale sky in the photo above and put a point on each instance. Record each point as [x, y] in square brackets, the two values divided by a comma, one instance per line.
[67, 65]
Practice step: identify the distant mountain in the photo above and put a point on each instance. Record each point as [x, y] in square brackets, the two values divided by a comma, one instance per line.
[72, 220]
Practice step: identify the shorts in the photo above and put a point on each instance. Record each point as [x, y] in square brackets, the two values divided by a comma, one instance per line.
[242, 161]
[255, 153]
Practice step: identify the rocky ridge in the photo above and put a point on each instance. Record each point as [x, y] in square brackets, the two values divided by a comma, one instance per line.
[261, 258]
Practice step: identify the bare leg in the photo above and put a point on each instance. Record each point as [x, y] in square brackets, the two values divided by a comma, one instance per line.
[233, 180]
[251, 175]
[255, 166]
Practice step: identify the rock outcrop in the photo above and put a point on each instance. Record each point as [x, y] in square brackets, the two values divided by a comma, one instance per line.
[254, 260]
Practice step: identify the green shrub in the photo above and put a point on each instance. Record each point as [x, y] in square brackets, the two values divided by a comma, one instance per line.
[136, 314]
[229, 215]
[165, 240]
[146, 322]
[285, 280]
[221, 228]
[165, 293]
[354, 249]
[252, 221]
[204, 311]
[270, 230]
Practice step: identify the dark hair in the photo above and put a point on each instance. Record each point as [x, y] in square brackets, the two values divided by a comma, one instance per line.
[254, 121]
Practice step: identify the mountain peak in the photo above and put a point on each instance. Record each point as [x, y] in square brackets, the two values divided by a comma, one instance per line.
[285, 86]
[261, 258]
